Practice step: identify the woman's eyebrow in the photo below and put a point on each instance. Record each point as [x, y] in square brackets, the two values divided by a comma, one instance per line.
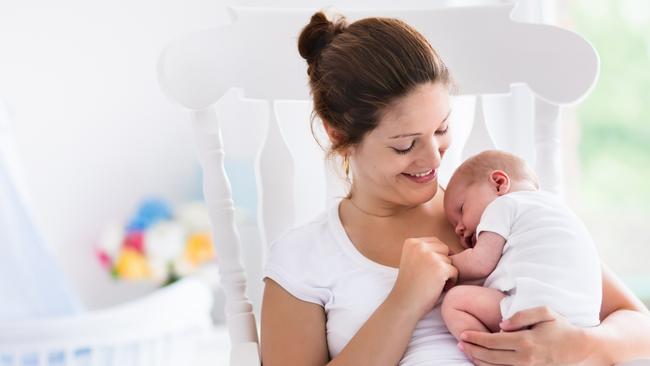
[405, 135]
[418, 134]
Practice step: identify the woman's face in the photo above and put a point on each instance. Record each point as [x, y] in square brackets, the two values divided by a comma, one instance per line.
[398, 161]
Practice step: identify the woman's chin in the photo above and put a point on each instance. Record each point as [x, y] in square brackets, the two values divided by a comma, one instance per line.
[423, 195]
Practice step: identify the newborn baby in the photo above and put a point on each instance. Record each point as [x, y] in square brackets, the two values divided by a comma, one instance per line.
[533, 250]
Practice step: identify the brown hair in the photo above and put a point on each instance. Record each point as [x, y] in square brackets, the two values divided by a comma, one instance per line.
[481, 165]
[356, 70]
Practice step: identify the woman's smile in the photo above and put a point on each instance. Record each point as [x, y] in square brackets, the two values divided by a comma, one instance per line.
[422, 177]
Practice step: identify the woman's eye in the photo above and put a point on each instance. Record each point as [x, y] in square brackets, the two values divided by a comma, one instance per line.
[443, 132]
[404, 151]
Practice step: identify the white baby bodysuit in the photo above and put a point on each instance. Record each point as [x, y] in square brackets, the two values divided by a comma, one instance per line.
[549, 257]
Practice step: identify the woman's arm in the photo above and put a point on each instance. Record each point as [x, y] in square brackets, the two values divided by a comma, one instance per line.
[383, 339]
[423, 272]
[623, 335]
[293, 331]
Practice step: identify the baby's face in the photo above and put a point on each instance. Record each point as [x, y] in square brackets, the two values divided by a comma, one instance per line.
[464, 206]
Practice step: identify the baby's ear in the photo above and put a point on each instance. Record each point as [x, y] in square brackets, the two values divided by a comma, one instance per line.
[501, 181]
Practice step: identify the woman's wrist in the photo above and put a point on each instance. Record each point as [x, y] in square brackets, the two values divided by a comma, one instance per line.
[407, 310]
[595, 353]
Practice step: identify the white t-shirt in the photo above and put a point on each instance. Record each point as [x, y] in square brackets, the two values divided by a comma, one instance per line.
[317, 262]
[549, 257]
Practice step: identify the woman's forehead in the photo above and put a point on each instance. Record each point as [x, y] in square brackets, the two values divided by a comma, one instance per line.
[421, 110]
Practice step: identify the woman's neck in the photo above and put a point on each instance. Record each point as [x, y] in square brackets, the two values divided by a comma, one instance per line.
[378, 211]
[376, 208]
[378, 225]
[372, 207]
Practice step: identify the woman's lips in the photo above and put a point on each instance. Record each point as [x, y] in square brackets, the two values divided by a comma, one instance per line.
[431, 175]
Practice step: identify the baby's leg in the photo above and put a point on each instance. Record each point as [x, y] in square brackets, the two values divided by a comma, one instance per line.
[472, 308]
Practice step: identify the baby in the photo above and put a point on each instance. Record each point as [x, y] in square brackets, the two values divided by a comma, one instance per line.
[533, 250]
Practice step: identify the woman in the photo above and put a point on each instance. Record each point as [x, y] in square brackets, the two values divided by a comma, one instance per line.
[361, 284]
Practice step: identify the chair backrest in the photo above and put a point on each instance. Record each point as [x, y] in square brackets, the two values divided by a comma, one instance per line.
[485, 50]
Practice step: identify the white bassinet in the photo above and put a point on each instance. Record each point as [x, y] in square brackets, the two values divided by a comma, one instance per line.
[167, 327]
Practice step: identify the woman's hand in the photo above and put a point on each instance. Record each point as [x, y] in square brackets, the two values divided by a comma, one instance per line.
[424, 269]
[535, 336]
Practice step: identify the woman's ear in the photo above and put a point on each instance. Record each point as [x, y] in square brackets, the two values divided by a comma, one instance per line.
[501, 181]
[334, 135]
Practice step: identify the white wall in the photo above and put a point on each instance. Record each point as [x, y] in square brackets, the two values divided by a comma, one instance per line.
[93, 129]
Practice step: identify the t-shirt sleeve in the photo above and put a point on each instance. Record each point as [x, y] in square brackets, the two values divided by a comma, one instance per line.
[290, 263]
[498, 217]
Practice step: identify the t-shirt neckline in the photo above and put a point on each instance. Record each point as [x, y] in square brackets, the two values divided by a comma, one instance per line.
[348, 247]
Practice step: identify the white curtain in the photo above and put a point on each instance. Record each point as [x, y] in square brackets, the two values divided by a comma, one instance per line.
[31, 284]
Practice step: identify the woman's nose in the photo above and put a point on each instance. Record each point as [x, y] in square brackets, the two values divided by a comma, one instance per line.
[432, 155]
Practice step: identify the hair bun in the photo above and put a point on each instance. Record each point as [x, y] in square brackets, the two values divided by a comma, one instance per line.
[318, 34]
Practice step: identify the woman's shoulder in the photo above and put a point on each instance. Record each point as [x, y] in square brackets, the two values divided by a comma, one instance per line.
[301, 259]
[316, 238]
[312, 229]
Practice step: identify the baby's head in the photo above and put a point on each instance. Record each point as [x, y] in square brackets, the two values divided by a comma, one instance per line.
[477, 182]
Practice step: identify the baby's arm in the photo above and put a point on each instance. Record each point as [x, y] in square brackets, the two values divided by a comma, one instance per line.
[479, 262]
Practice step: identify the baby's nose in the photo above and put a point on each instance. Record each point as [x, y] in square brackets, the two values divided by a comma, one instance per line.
[460, 229]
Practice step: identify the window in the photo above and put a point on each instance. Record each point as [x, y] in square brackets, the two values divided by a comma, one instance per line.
[610, 184]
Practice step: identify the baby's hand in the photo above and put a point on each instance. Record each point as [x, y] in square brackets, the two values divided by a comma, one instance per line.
[455, 258]
[449, 285]
[463, 262]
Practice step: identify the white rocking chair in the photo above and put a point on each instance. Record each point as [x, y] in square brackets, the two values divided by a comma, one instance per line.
[487, 52]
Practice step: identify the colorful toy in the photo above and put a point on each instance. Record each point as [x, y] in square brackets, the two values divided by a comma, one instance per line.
[156, 245]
